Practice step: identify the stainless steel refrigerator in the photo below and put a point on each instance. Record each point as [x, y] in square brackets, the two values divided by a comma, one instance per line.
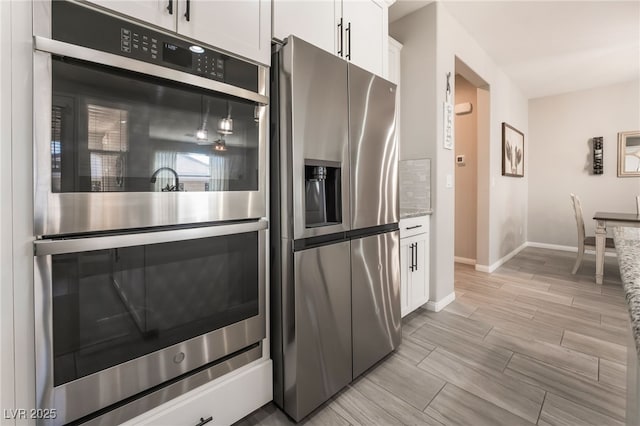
[335, 256]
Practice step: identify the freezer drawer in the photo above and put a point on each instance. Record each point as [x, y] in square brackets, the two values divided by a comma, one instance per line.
[318, 361]
[375, 292]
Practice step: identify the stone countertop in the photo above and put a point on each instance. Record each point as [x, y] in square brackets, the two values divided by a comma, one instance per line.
[407, 213]
[628, 248]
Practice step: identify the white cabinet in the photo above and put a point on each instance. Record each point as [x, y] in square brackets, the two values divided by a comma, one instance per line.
[239, 27]
[395, 63]
[414, 263]
[314, 21]
[161, 13]
[365, 34]
[356, 30]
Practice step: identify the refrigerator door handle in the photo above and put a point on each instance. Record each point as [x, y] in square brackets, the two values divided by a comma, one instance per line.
[341, 35]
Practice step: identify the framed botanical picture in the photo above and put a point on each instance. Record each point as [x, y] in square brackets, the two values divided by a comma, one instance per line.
[512, 151]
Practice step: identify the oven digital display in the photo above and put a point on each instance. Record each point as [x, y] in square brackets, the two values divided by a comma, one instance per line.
[176, 55]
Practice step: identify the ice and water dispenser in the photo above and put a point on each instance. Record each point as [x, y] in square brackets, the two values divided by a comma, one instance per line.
[323, 205]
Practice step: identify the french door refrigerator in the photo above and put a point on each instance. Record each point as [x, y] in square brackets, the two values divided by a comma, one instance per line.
[335, 287]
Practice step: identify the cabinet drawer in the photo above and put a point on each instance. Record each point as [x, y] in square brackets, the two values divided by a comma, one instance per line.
[414, 226]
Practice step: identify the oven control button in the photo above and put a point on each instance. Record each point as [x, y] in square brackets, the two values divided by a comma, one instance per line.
[178, 358]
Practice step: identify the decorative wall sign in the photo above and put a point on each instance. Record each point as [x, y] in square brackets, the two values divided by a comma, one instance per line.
[448, 125]
[512, 151]
[597, 155]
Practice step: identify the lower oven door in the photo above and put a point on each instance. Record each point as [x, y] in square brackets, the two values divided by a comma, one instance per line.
[121, 314]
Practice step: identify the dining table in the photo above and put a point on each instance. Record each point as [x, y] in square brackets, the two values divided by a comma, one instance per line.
[604, 220]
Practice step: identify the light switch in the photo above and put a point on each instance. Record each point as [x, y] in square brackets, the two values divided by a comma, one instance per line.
[449, 181]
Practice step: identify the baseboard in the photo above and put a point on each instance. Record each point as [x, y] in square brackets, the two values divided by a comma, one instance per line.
[464, 260]
[490, 268]
[440, 304]
[566, 248]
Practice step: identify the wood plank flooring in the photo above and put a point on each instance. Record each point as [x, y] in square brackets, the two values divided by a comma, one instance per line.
[528, 344]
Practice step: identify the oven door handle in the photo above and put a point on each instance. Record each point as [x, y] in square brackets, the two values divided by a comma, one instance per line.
[78, 245]
[61, 48]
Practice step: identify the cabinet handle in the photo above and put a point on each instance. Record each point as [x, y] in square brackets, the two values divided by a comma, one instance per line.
[170, 7]
[413, 227]
[348, 31]
[204, 421]
[187, 13]
[341, 38]
[416, 264]
[411, 266]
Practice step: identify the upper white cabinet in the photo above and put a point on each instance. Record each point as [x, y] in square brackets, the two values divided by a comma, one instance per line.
[314, 21]
[366, 34]
[239, 27]
[161, 13]
[356, 30]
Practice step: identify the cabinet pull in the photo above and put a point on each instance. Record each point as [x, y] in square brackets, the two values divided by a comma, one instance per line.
[348, 31]
[204, 421]
[412, 267]
[170, 7]
[187, 13]
[416, 264]
[413, 227]
[340, 34]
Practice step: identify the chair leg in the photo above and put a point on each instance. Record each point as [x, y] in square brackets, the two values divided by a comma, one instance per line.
[579, 259]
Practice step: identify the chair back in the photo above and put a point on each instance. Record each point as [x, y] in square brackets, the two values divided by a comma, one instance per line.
[577, 210]
[638, 204]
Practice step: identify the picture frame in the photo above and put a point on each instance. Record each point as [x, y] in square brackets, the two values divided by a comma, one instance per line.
[629, 154]
[512, 151]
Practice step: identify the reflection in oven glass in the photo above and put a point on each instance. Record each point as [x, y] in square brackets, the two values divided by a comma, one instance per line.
[111, 306]
[116, 132]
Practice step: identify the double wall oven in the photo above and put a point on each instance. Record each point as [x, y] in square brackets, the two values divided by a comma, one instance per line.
[149, 206]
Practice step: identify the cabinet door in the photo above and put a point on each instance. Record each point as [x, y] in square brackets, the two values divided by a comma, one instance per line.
[366, 35]
[239, 27]
[157, 12]
[419, 277]
[310, 20]
[405, 273]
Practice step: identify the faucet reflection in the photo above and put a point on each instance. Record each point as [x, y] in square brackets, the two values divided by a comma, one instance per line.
[176, 187]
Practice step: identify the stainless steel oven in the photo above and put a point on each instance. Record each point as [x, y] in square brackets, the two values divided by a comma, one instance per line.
[149, 207]
[137, 128]
[118, 315]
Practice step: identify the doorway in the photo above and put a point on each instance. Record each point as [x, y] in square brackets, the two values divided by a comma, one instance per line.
[471, 167]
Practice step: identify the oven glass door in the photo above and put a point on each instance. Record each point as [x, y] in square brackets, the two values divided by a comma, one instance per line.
[132, 311]
[124, 150]
[117, 132]
[114, 305]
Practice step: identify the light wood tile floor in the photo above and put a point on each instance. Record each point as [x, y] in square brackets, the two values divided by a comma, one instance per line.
[528, 344]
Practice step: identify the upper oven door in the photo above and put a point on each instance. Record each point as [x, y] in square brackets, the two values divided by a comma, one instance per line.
[121, 143]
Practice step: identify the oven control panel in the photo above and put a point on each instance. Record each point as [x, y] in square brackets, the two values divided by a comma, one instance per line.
[81, 25]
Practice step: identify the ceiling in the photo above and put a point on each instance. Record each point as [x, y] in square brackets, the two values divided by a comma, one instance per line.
[548, 47]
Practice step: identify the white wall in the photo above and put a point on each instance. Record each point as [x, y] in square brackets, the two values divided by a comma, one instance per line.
[560, 159]
[432, 40]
